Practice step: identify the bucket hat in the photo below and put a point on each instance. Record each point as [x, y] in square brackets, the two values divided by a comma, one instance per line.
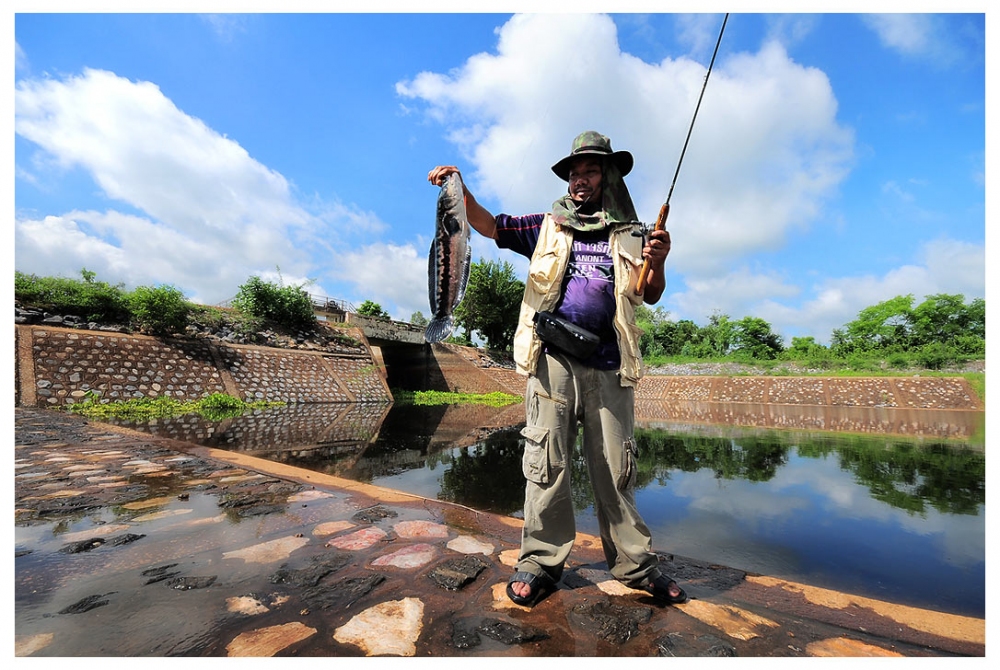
[591, 143]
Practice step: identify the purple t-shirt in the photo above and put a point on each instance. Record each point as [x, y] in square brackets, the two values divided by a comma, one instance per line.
[588, 290]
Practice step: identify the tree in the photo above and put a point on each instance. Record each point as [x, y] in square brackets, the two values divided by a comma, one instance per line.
[752, 337]
[418, 319]
[943, 318]
[491, 303]
[372, 309]
[885, 326]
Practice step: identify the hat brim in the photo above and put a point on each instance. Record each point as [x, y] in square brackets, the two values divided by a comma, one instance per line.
[623, 159]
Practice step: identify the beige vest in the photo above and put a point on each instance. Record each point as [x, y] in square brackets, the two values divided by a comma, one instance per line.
[544, 284]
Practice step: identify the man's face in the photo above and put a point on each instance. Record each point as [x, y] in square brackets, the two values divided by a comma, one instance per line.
[585, 180]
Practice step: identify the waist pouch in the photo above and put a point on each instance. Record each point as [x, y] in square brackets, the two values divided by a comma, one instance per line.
[565, 336]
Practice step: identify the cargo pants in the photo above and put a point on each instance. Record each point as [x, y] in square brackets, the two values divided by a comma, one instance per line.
[560, 396]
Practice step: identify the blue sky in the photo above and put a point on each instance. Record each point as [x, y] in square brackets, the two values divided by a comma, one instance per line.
[838, 159]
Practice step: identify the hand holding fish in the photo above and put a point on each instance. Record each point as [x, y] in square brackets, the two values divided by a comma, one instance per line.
[479, 217]
[437, 175]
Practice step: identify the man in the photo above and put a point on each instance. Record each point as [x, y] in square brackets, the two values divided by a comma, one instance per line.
[578, 344]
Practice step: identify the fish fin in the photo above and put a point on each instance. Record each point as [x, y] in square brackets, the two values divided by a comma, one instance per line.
[438, 329]
[466, 270]
[432, 277]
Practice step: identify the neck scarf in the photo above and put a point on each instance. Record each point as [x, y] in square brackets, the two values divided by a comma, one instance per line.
[615, 207]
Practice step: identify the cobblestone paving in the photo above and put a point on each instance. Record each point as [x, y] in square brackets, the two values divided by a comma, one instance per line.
[128, 544]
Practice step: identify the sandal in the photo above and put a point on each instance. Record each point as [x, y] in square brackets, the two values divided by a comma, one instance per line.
[659, 588]
[540, 586]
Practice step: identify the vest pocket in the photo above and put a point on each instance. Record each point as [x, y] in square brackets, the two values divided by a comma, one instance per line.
[535, 462]
[542, 271]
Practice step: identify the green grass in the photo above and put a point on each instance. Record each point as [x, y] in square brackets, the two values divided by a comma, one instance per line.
[214, 407]
[495, 399]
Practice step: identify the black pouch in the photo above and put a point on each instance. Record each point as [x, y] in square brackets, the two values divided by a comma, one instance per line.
[565, 336]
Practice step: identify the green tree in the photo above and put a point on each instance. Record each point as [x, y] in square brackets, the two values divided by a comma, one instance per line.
[491, 303]
[418, 319]
[886, 326]
[372, 309]
[752, 337]
[943, 318]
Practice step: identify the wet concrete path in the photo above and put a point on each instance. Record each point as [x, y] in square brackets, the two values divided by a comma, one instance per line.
[132, 545]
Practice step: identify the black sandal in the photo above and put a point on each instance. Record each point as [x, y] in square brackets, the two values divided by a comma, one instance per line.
[540, 587]
[659, 588]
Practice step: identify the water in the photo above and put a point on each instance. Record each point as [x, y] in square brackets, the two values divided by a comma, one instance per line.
[900, 519]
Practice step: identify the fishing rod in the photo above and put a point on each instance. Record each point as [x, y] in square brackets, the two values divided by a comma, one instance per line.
[661, 219]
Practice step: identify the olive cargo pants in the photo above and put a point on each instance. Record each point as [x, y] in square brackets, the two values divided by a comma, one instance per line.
[561, 395]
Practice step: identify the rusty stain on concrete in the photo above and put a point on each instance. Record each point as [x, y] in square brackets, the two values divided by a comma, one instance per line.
[841, 647]
[269, 641]
[733, 621]
[952, 626]
[387, 629]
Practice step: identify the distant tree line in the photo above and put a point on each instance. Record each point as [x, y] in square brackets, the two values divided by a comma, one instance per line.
[943, 328]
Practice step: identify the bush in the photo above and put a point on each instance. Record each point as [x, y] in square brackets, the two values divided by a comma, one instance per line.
[287, 306]
[87, 298]
[158, 311]
[935, 355]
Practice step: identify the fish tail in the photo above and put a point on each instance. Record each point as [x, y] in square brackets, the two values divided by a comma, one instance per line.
[439, 328]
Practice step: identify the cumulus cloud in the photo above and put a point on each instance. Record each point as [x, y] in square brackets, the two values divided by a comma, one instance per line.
[203, 214]
[766, 155]
[941, 266]
[766, 138]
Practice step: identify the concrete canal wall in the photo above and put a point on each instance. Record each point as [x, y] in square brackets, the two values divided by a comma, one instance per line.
[59, 366]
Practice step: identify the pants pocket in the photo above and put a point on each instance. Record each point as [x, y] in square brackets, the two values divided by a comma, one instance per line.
[535, 462]
[626, 476]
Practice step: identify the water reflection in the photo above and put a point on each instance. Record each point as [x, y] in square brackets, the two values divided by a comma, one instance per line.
[882, 515]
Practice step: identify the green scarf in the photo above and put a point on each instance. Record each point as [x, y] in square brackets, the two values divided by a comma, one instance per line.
[616, 205]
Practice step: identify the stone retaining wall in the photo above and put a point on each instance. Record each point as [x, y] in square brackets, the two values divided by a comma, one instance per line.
[59, 366]
[896, 392]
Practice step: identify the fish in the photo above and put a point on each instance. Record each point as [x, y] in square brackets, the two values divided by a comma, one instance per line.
[450, 259]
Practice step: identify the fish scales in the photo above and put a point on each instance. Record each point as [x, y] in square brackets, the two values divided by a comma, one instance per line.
[450, 259]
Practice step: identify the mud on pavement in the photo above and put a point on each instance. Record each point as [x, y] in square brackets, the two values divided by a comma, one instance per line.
[131, 545]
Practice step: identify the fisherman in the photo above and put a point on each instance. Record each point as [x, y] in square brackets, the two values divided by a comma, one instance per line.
[578, 344]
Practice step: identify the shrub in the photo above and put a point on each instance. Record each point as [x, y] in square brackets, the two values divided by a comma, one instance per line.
[158, 311]
[87, 298]
[935, 355]
[287, 306]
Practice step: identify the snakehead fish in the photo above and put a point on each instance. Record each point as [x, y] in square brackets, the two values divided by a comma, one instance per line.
[450, 259]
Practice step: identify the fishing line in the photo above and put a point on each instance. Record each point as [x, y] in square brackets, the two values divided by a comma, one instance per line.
[697, 107]
[661, 219]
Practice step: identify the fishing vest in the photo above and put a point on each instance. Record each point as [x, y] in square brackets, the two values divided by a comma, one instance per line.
[544, 286]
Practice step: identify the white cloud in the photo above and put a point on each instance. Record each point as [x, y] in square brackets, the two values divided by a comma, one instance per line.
[208, 215]
[392, 275]
[765, 152]
[942, 266]
[922, 36]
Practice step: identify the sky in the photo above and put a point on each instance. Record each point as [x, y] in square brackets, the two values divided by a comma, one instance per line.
[837, 159]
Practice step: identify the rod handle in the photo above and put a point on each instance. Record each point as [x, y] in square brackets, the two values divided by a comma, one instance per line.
[661, 223]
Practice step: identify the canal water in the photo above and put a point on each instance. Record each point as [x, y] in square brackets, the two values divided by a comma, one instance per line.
[894, 518]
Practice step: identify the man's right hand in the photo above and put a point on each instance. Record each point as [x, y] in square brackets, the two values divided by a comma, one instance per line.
[437, 175]
[479, 217]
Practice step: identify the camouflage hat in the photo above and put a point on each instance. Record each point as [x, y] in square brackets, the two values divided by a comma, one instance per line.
[594, 144]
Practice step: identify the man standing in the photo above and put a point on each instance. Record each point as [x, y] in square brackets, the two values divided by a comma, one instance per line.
[577, 342]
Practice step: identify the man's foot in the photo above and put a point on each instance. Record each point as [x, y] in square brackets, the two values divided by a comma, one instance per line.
[666, 590]
[525, 588]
